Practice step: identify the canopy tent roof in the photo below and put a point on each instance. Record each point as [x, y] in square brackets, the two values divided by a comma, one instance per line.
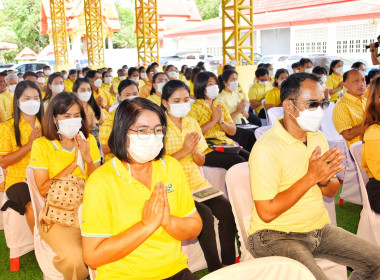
[27, 54]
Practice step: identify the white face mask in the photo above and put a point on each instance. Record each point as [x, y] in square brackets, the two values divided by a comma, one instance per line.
[57, 88]
[81, 76]
[212, 91]
[30, 107]
[84, 96]
[98, 83]
[323, 79]
[173, 74]
[12, 88]
[271, 72]
[339, 70]
[280, 82]
[20, 79]
[179, 110]
[233, 85]
[135, 79]
[41, 80]
[144, 150]
[131, 97]
[47, 72]
[69, 127]
[160, 86]
[143, 76]
[309, 70]
[65, 76]
[263, 83]
[310, 120]
[107, 80]
[122, 78]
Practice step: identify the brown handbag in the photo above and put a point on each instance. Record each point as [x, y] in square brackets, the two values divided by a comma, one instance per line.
[63, 200]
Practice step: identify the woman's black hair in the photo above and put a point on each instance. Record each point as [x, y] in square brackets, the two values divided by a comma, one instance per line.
[357, 65]
[278, 74]
[170, 87]
[262, 71]
[20, 88]
[201, 64]
[140, 69]
[371, 74]
[224, 78]
[319, 70]
[194, 73]
[95, 107]
[155, 76]
[126, 115]
[183, 68]
[333, 64]
[154, 64]
[91, 74]
[49, 92]
[228, 67]
[188, 73]
[149, 69]
[72, 72]
[200, 83]
[126, 83]
[132, 70]
[168, 67]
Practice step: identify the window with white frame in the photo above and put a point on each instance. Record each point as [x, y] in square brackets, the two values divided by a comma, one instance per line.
[353, 38]
[311, 40]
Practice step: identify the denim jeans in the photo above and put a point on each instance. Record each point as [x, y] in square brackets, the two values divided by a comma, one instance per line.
[330, 242]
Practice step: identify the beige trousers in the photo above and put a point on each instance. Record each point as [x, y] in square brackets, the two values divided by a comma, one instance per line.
[66, 243]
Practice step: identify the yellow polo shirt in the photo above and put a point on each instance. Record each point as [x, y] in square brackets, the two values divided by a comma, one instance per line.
[141, 83]
[333, 82]
[371, 151]
[16, 172]
[174, 140]
[69, 85]
[258, 92]
[202, 113]
[145, 90]
[3, 115]
[107, 98]
[348, 112]
[277, 161]
[155, 98]
[107, 88]
[231, 100]
[191, 88]
[273, 97]
[105, 131]
[6, 103]
[113, 202]
[116, 81]
[51, 156]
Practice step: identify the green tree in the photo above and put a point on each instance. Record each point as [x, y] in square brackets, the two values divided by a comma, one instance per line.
[126, 38]
[209, 8]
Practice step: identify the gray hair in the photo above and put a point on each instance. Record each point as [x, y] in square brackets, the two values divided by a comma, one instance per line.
[11, 77]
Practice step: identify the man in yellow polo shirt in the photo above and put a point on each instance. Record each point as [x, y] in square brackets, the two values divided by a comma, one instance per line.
[3, 84]
[258, 91]
[348, 114]
[6, 98]
[291, 169]
[121, 76]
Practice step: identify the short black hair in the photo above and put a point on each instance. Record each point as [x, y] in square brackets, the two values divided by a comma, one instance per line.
[200, 83]
[303, 61]
[278, 74]
[126, 83]
[194, 73]
[154, 64]
[29, 74]
[141, 68]
[91, 74]
[371, 74]
[319, 70]
[347, 74]
[170, 87]
[46, 67]
[126, 115]
[3, 74]
[131, 70]
[295, 65]
[290, 88]
[333, 65]
[261, 72]
[72, 72]
[227, 67]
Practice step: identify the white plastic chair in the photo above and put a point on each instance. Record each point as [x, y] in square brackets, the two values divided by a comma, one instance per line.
[238, 186]
[261, 130]
[268, 268]
[44, 253]
[369, 223]
[264, 122]
[274, 113]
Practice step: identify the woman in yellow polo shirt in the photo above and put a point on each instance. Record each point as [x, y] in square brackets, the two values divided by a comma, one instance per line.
[69, 82]
[172, 72]
[138, 207]
[185, 142]
[56, 155]
[371, 145]
[215, 121]
[334, 81]
[17, 137]
[55, 85]
[273, 98]
[159, 80]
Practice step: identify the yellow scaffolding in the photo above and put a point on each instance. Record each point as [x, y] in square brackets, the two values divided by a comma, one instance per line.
[94, 33]
[58, 22]
[147, 31]
[237, 18]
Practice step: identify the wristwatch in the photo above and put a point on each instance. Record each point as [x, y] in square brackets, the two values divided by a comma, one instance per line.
[222, 122]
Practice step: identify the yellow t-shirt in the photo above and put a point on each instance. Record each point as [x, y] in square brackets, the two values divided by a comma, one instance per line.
[107, 98]
[49, 155]
[16, 172]
[69, 85]
[231, 100]
[174, 142]
[258, 92]
[191, 88]
[105, 131]
[348, 112]
[113, 202]
[107, 87]
[6, 103]
[155, 98]
[3, 115]
[202, 113]
[371, 151]
[273, 97]
[277, 161]
[116, 81]
[145, 90]
[141, 83]
[333, 82]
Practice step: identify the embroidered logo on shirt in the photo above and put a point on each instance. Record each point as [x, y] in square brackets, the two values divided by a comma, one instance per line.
[169, 188]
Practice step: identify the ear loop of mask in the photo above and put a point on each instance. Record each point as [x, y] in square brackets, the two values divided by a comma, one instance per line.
[296, 109]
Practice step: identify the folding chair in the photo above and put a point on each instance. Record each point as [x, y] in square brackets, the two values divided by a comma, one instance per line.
[239, 189]
[261, 130]
[274, 113]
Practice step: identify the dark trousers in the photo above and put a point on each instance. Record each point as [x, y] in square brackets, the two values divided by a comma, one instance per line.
[184, 274]
[373, 190]
[245, 137]
[225, 160]
[219, 207]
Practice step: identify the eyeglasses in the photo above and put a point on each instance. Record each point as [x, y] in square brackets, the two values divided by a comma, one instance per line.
[313, 105]
[144, 132]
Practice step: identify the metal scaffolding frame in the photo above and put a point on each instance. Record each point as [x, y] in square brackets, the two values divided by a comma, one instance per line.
[237, 18]
[59, 33]
[94, 32]
[147, 31]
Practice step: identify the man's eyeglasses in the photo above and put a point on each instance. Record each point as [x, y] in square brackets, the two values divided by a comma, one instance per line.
[144, 132]
[313, 105]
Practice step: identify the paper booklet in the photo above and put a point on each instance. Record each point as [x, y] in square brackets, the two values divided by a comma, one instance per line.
[206, 193]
